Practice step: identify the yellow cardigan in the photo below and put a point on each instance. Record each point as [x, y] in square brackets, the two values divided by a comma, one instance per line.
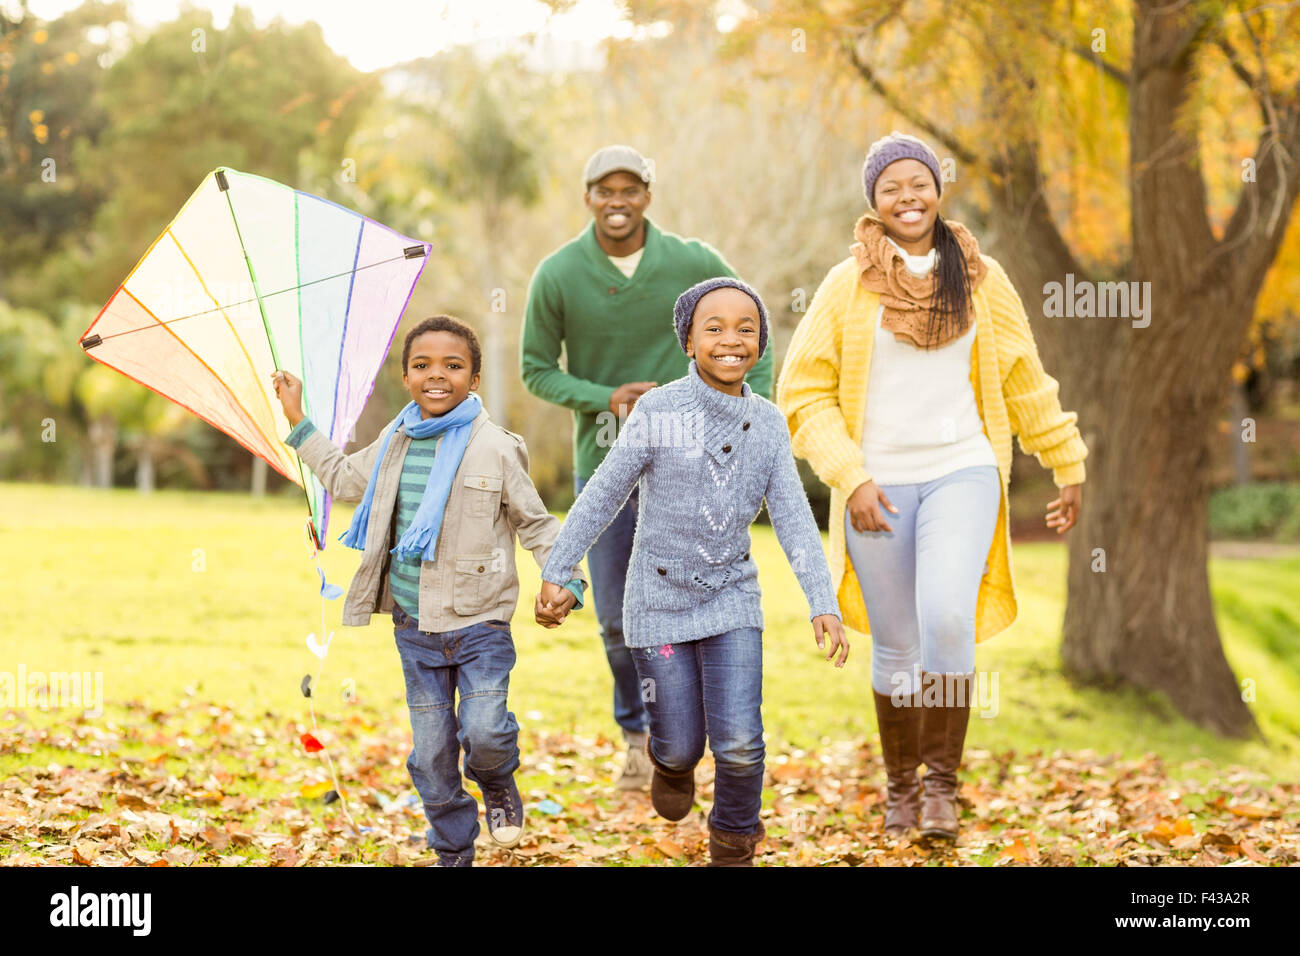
[822, 393]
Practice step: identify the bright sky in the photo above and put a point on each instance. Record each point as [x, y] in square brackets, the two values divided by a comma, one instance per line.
[378, 33]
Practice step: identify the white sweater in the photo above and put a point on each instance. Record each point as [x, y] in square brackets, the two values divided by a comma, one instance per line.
[921, 421]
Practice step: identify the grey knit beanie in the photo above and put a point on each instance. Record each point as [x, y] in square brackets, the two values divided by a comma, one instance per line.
[684, 309]
[890, 149]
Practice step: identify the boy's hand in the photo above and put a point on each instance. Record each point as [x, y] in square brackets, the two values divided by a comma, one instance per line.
[289, 390]
[829, 625]
[553, 605]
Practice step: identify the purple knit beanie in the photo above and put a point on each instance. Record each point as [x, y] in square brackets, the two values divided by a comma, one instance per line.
[890, 149]
[684, 309]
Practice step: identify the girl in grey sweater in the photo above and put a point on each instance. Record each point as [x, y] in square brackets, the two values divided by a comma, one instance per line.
[705, 452]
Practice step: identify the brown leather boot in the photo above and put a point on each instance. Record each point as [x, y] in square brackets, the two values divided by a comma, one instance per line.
[733, 849]
[943, 735]
[900, 744]
[672, 792]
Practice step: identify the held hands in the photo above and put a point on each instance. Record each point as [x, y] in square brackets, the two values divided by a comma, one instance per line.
[825, 625]
[867, 507]
[289, 390]
[553, 605]
[1063, 511]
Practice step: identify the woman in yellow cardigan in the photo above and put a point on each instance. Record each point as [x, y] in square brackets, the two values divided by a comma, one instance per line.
[902, 387]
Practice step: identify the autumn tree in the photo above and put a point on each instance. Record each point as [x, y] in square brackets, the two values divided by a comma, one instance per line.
[1127, 108]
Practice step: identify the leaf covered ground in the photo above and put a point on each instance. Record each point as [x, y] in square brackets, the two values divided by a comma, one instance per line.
[198, 785]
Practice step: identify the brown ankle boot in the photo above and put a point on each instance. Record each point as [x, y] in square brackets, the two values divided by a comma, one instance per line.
[943, 735]
[733, 849]
[672, 792]
[900, 744]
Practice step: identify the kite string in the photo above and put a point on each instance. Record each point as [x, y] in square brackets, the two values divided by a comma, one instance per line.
[320, 669]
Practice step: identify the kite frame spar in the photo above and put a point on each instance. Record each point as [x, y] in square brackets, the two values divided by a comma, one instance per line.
[318, 510]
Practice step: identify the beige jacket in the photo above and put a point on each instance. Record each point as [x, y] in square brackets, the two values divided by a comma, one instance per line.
[472, 576]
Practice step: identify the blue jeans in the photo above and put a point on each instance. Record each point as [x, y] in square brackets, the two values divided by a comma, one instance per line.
[607, 561]
[713, 686]
[921, 580]
[474, 661]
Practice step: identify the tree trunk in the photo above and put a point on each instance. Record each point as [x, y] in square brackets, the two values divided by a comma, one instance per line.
[259, 477]
[1238, 412]
[494, 393]
[1139, 608]
[144, 467]
[103, 442]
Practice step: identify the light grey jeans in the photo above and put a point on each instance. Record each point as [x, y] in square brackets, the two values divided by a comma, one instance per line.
[920, 580]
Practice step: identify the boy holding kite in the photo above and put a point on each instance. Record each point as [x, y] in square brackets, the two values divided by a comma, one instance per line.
[443, 492]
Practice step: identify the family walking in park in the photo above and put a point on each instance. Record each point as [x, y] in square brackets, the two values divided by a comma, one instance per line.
[902, 387]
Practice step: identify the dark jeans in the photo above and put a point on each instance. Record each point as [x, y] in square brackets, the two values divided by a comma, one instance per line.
[712, 686]
[607, 561]
[475, 662]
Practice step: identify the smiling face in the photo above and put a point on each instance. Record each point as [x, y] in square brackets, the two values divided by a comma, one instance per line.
[439, 373]
[907, 200]
[724, 338]
[618, 202]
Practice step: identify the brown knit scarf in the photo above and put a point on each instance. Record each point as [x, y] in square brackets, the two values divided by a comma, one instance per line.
[906, 297]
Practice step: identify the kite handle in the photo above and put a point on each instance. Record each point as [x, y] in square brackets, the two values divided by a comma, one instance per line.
[310, 539]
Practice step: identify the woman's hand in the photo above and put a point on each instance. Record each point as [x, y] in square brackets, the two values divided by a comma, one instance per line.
[288, 390]
[865, 508]
[553, 605]
[1064, 510]
[824, 625]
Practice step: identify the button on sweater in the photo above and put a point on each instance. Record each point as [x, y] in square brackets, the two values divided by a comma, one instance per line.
[704, 462]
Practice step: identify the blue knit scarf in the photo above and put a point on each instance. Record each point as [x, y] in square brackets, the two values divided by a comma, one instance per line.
[420, 540]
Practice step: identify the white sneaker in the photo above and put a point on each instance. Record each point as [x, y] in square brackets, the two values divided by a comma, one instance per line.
[637, 769]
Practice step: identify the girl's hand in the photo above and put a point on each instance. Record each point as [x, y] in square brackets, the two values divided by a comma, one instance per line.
[1064, 510]
[553, 605]
[288, 390]
[865, 508]
[829, 625]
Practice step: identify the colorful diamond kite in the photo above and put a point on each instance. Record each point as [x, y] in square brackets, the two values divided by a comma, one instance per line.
[252, 276]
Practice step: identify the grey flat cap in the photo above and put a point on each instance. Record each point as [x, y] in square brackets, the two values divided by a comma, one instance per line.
[614, 159]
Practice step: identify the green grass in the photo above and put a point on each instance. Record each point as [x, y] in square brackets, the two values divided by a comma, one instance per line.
[181, 595]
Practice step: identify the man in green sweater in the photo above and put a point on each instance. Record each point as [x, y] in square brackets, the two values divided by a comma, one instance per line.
[606, 298]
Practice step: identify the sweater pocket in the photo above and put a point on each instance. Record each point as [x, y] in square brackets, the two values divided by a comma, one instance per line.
[482, 495]
[668, 587]
[473, 590]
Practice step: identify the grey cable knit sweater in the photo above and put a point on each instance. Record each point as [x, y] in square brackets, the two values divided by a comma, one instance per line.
[704, 460]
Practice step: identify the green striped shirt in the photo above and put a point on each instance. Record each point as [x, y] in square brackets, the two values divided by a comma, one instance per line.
[404, 576]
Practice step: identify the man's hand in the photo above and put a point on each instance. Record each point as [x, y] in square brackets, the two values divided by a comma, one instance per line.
[627, 395]
[829, 625]
[289, 390]
[867, 507]
[553, 605]
[1063, 511]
